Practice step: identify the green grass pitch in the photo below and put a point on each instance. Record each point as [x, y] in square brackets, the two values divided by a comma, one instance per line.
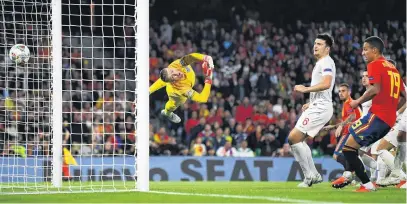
[218, 192]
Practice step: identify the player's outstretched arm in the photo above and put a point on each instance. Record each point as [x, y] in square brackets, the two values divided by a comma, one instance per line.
[204, 95]
[157, 85]
[197, 57]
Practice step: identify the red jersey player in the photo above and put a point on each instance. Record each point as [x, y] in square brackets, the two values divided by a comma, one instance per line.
[349, 115]
[384, 92]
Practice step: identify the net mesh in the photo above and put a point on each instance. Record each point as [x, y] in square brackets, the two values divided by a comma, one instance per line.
[98, 71]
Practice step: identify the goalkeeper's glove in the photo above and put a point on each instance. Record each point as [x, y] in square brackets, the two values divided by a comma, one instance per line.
[209, 60]
[208, 72]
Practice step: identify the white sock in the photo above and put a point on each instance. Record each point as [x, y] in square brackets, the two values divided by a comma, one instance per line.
[401, 155]
[381, 165]
[387, 158]
[373, 173]
[369, 185]
[347, 174]
[368, 161]
[300, 153]
[311, 164]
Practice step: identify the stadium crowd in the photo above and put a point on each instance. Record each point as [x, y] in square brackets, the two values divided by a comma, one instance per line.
[250, 111]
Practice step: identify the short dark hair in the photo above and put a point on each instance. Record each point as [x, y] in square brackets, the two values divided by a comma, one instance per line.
[329, 40]
[164, 75]
[375, 42]
[392, 61]
[344, 85]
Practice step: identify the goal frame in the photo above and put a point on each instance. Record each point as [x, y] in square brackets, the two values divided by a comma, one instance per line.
[141, 69]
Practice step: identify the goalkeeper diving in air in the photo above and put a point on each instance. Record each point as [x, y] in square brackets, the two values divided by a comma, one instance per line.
[179, 78]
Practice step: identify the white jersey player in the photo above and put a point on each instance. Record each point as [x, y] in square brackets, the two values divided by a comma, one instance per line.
[369, 161]
[401, 148]
[317, 112]
[390, 141]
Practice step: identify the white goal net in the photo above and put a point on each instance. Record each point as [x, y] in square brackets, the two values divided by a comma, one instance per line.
[69, 117]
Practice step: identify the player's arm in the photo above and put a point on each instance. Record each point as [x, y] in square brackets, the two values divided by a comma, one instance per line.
[196, 57]
[343, 123]
[323, 85]
[372, 91]
[204, 95]
[326, 82]
[157, 85]
[200, 97]
[348, 120]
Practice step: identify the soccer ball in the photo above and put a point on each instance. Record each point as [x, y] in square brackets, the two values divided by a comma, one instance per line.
[19, 53]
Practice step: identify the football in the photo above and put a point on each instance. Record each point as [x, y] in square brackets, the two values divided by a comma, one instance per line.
[19, 53]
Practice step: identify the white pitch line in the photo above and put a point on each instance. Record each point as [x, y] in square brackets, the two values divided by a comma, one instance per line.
[268, 198]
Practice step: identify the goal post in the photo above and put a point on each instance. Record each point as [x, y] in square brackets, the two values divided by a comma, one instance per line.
[142, 84]
[75, 118]
[56, 33]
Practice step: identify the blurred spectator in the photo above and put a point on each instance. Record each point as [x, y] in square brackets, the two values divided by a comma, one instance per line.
[244, 151]
[239, 136]
[244, 111]
[253, 140]
[268, 144]
[198, 149]
[227, 151]
[285, 151]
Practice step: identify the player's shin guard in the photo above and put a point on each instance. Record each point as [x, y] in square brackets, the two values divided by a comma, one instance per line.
[356, 164]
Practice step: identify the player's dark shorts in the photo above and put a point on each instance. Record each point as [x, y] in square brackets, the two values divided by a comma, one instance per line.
[369, 129]
[366, 131]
